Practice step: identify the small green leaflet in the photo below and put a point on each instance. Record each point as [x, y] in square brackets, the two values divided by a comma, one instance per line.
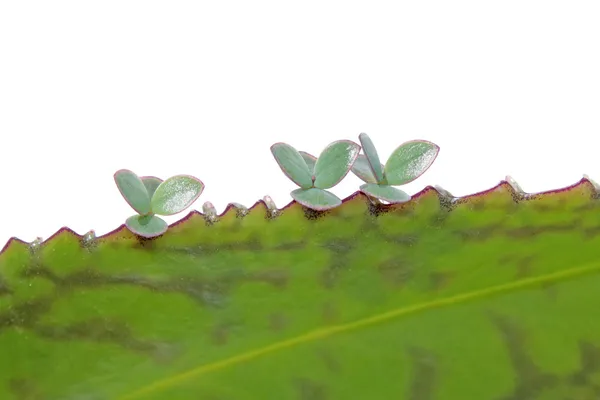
[371, 156]
[151, 183]
[146, 225]
[362, 169]
[133, 190]
[292, 164]
[176, 194]
[310, 161]
[316, 199]
[409, 161]
[334, 163]
[385, 192]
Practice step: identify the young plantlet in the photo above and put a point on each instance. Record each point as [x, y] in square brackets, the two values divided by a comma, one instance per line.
[409, 161]
[150, 195]
[314, 175]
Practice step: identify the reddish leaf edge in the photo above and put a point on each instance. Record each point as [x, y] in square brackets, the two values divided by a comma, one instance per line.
[517, 193]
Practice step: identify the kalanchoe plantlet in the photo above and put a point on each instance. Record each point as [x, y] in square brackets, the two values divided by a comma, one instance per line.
[150, 195]
[314, 175]
[409, 161]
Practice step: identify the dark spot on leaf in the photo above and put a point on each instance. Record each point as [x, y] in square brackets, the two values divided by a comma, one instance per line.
[591, 232]
[277, 321]
[479, 233]
[330, 313]
[438, 219]
[479, 205]
[276, 277]
[530, 380]
[550, 290]
[220, 334]
[542, 207]
[589, 206]
[313, 215]
[448, 204]
[4, 289]
[396, 271]
[210, 221]
[25, 315]
[440, 279]
[339, 246]
[338, 261]
[590, 362]
[291, 246]
[146, 243]
[24, 389]
[310, 390]
[529, 231]
[376, 208]
[402, 240]
[524, 267]
[329, 360]
[98, 330]
[517, 197]
[423, 374]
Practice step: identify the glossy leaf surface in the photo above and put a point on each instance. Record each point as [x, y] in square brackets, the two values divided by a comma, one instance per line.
[176, 194]
[385, 192]
[334, 163]
[133, 190]
[316, 199]
[151, 183]
[372, 156]
[482, 298]
[146, 225]
[362, 169]
[409, 161]
[292, 164]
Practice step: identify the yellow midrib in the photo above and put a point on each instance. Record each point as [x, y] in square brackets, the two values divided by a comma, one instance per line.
[332, 330]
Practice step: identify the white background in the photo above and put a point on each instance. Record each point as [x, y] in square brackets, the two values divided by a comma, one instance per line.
[204, 88]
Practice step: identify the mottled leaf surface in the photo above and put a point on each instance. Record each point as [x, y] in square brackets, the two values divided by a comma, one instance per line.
[483, 298]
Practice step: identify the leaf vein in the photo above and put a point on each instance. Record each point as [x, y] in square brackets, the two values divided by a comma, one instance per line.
[317, 334]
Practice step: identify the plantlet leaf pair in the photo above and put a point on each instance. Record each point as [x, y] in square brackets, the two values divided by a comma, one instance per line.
[314, 175]
[409, 161]
[150, 195]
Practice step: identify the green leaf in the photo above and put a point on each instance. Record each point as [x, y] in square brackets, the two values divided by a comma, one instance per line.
[151, 183]
[146, 225]
[385, 192]
[492, 297]
[316, 199]
[362, 169]
[409, 161]
[176, 194]
[310, 161]
[372, 156]
[334, 162]
[133, 190]
[292, 164]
